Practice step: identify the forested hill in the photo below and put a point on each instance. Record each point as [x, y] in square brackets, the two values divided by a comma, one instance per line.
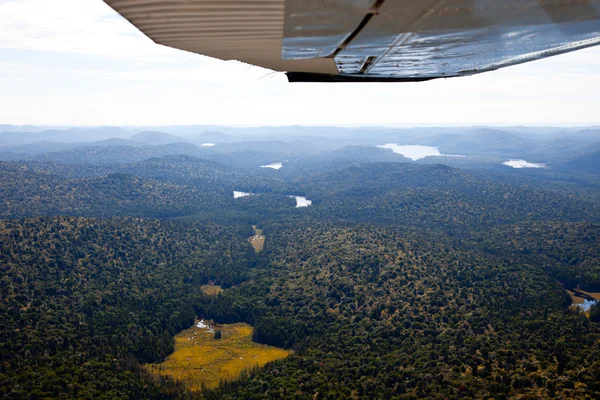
[382, 314]
[422, 196]
[370, 313]
[567, 251]
[430, 196]
[26, 193]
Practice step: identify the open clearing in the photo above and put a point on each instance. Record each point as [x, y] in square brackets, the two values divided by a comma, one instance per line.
[583, 302]
[200, 360]
[258, 240]
[211, 290]
[594, 295]
[576, 299]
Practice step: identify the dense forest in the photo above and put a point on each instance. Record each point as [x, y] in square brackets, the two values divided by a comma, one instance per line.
[85, 299]
[377, 313]
[402, 280]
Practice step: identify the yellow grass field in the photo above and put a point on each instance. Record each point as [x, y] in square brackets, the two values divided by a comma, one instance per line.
[200, 360]
[211, 290]
[258, 240]
[576, 299]
[594, 295]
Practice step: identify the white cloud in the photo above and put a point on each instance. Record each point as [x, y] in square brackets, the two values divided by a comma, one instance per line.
[87, 27]
[92, 28]
[17, 71]
[206, 70]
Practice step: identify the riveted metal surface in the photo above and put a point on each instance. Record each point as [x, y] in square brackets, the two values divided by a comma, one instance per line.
[246, 30]
[315, 28]
[461, 37]
[444, 38]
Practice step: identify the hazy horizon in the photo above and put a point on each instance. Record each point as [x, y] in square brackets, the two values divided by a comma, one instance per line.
[390, 126]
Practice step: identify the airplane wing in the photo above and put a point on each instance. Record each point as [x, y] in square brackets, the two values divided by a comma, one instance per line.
[369, 40]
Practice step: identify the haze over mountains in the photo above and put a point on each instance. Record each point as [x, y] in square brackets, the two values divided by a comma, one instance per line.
[564, 149]
[97, 164]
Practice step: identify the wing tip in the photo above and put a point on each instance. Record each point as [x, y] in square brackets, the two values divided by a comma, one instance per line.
[294, 77]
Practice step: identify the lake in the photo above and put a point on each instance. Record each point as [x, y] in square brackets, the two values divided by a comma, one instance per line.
[237, 194]
[302, 201]
[415, 151]
[273, 166]
[586, 305]
[522, 164]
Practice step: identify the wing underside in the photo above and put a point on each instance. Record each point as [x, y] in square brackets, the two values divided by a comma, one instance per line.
[370, 40]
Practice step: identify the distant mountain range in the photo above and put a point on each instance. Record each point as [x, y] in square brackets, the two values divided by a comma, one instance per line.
[560, 148]
[156, 138]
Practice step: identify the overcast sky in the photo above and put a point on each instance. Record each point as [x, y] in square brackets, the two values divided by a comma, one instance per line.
[77, 62]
